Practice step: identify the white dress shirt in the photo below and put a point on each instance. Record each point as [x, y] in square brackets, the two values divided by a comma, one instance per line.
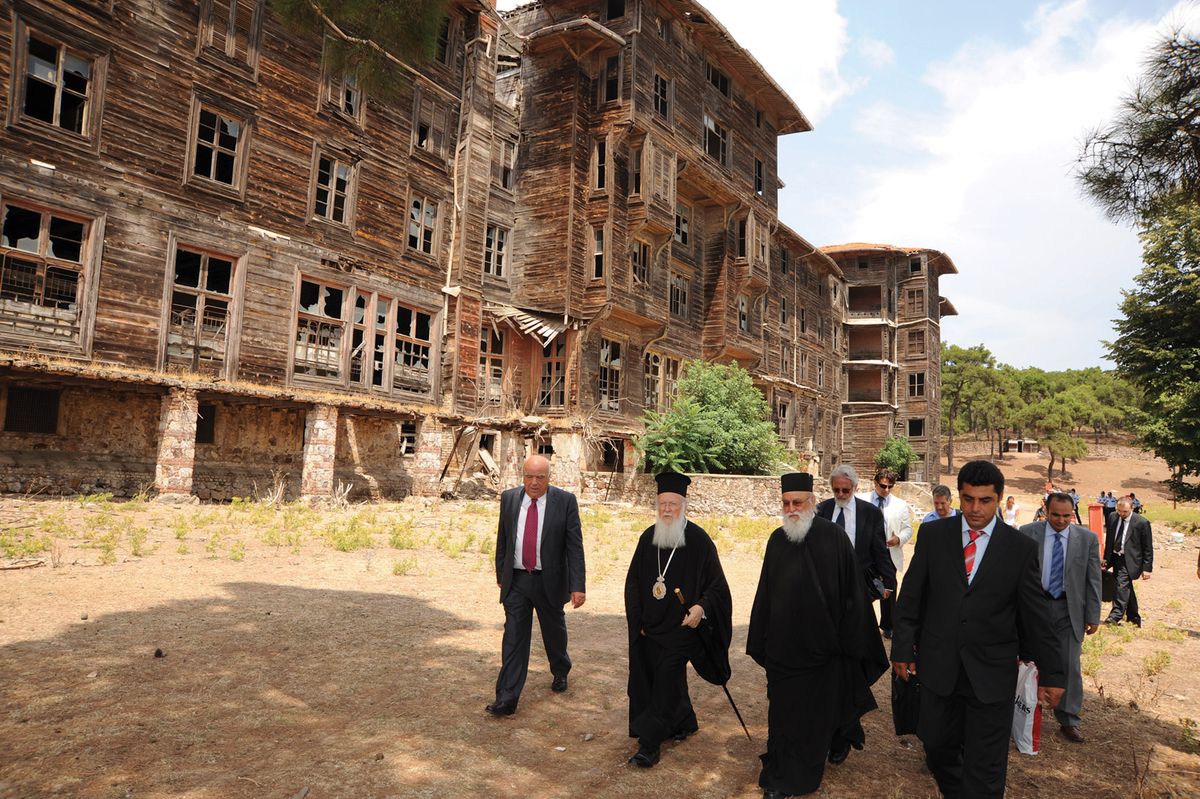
[980, 544]
[851, 519]
[541, 520]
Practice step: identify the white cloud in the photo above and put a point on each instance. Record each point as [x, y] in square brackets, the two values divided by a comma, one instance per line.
[990, 184]
[876, 52]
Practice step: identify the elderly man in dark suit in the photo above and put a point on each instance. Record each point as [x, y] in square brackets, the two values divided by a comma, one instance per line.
[864, 526]
[539, 566]
[971, 606]
[1070, 569]
[1129, 551]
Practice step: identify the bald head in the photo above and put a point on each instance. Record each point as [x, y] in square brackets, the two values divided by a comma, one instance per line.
[536, 475]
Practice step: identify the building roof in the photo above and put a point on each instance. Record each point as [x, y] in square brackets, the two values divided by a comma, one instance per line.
[945, 266]
[817, 254]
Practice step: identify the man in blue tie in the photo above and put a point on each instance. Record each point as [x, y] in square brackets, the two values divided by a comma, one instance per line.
[1070, 569]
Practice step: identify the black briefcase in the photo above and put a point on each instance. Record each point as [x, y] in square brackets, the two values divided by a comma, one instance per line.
[1108, 585]
[906, 704]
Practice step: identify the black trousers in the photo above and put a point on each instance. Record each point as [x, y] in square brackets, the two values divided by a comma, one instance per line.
[1125, 603]
[524, 597]
[966, 741]
[885, 612]
[659, 704]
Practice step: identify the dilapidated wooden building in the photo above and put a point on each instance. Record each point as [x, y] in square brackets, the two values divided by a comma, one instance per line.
[223, 266]
[892, 368]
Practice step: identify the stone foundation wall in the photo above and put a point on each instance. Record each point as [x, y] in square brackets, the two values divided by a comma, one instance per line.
[107, 441]
[370, 458]
[708, 495]
[253, 444]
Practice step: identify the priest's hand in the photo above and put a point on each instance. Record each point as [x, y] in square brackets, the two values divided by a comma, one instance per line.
[693, 617]
[904, 670]
[1050, 697]
[1088, 629]
[577, 599]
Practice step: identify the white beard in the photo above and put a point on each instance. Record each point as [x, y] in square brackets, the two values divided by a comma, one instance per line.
[844, 504]
[669, 535]
[797, 525]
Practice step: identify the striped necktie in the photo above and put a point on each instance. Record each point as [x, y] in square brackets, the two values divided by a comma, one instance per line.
[969, 552]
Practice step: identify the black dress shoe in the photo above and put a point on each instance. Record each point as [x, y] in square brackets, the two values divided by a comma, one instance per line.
[559, 685]
[645, 758]
[499, 708]
[839, 755]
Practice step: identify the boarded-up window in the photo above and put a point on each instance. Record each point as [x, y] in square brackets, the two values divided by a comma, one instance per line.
[42, 263]
[201, 300]
[916, 342]
[31, 410]
[661, 163]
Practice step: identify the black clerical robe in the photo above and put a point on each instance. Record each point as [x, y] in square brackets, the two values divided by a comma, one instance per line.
[813, 630]
[660, 647]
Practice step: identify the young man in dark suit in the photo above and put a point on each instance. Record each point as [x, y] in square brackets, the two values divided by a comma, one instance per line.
[1129, 551]
[539, 566]
[971, 606]
[864, 526]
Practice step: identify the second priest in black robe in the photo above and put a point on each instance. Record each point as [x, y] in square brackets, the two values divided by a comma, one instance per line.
[813, 630]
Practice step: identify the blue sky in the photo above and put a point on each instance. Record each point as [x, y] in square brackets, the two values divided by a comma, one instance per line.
[955, 126]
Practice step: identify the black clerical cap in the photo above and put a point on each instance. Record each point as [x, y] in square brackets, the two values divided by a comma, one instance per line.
[796, 481]
[672, 482]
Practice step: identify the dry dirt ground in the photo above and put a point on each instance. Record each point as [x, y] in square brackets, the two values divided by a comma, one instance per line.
[289, 664]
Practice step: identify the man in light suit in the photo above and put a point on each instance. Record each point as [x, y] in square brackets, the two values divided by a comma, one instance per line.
[1070, 569]
[897, 529]
[864, 526]
[971, 605]
[539, 566]
[1129, 550]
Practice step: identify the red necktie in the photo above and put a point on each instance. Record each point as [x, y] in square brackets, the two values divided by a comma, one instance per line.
[969, 551]
[529, 542]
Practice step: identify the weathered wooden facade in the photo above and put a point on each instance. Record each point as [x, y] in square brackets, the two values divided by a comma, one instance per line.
[892, 366]
[223, 265]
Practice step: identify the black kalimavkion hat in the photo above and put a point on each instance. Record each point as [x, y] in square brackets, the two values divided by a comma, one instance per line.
[796, 481]
[672, 482]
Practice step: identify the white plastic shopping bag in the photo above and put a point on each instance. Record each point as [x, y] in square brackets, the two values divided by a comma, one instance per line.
[1027, 713]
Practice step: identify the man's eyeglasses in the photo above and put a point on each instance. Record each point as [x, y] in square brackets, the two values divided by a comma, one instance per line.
[842, 490]
[888, 486]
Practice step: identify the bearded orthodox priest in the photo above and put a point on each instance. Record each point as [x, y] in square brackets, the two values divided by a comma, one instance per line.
[679, 610]
[813, 630]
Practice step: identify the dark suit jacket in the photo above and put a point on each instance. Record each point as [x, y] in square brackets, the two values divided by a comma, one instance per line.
[1138, 548]
[946, 625]
[562, 543]
[870, 539]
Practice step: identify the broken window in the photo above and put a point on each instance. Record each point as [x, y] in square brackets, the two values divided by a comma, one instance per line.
[206, 424]
[231, 27]
[612, 79]
[916, 428]
[491, 365]
[635, 170]
[600, 164]
[803, 321]
[743, 304]
[781, 415]
[612, 454]
[413, 348]
[718, 79]
[598, 252]
[217, 146]
[58, 84]
[369, 339]
[616, 9]
[785, 258]
[31, 410]
[429, 126]
[682, 223]
[742, 224]
[422, 223]
[679, 295]
[639, 261]
[442, 50]
[506, 160]
[662, 96]
[803, 367]
[820, 373]
[349, 97]
[320, 328]
[610, 375]
[783, 310]
[786, 362]
[716, 140]
[495, 249]
[41, 269]
[198, 319]
[661, 381]
[332, 190]
[651, 365]
[760, 181]
[552, 385]
[915, 265]
[408, 438]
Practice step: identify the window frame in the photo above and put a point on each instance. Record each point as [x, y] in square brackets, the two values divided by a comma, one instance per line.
[495, 258]
[88, 138]
[641, 253]
[221, 56]
[916, 385]
[489, 385]
[202, 102]
[350, 196]
[426, 199]
[713, 127]
[90, 257]
[206, 246]
[552, 374]
[679, 300]
[663, 94]
[609, 373]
